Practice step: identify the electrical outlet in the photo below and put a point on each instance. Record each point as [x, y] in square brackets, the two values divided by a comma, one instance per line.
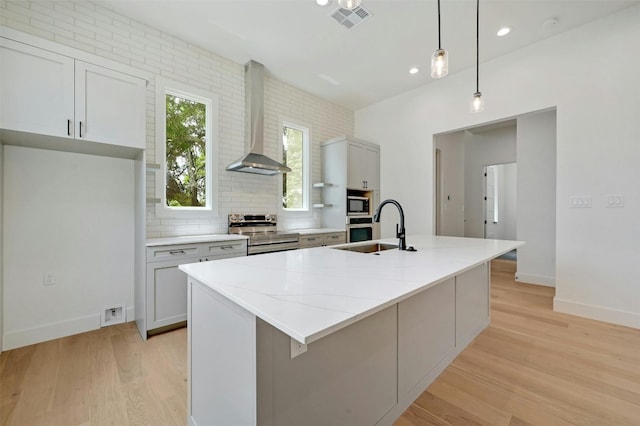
[297, 348]
[49, 278]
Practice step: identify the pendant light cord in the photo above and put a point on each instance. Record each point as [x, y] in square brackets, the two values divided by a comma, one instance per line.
[439, 45]
[477, 45]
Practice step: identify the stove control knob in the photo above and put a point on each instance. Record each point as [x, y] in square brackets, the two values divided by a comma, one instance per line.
[233, 218]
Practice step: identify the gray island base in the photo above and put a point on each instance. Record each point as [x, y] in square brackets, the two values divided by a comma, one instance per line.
[327, 337]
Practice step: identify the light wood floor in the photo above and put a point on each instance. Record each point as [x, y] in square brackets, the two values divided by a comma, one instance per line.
[533, 366]
[530, 367]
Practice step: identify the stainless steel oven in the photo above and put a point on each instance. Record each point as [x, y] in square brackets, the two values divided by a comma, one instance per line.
[362, 228]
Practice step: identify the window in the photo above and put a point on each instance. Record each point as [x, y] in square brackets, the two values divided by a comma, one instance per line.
[185, 145]
[295, 155]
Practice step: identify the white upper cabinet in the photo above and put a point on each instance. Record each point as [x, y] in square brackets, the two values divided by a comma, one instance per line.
[363, 166]
[36, 90]
[47, 93]
[109, 107]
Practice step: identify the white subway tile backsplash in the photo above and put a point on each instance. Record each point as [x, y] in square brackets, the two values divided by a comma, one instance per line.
[96, 29]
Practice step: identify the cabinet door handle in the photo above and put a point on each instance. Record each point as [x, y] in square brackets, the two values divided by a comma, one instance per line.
[68, 127]
[81, 129]
[174, 252]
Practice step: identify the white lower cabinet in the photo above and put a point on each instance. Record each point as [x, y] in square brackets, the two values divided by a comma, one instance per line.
[322, 239]
[166, 286]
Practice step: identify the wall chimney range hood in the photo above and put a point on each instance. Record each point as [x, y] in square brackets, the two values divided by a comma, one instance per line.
[255, 161]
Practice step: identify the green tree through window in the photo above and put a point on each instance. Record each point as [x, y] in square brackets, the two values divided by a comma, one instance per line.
[185, 152]
[293, 196]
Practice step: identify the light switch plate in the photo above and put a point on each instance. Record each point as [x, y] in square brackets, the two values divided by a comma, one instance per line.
[580, 202]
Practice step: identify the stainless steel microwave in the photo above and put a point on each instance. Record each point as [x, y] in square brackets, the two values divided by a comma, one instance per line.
[357, 205]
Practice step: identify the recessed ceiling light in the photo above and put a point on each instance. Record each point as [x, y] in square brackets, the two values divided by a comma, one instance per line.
[414, 70]
[322, 2]
[503, 31]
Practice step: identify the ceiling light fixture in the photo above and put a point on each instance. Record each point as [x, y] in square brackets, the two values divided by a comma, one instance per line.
[322, 2]
[503, 31]
[414, 70]
[477, 105]
[349, 4]
[440, 58]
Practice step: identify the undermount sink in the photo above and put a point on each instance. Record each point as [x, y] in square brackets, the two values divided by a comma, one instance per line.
[368, 248]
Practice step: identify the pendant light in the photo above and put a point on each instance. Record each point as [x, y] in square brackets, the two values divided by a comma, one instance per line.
[349, 4]
[477, 105]
[440, 58]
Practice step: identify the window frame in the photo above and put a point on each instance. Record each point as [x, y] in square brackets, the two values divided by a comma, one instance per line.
[166, 87]
[306, 209]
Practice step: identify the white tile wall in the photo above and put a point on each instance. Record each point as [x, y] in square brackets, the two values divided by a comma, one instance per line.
[94, 29]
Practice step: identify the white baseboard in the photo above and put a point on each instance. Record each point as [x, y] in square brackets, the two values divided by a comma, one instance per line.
[629, 319]
[30, 336]
[130, 314]
[535, 279]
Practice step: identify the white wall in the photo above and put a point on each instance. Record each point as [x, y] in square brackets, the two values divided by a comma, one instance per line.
[497, 146]
[72, 215]
[451, 148]
[598, 146]
[1, 239]
[94, 29]
[537, 211]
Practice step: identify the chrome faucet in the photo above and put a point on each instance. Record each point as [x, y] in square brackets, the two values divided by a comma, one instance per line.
[400, 231]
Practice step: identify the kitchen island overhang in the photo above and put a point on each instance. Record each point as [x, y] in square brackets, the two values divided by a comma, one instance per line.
[390, 323]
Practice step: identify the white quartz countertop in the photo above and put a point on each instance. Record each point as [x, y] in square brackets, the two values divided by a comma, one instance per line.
[191, 239]
[309, 294]
[316, 231]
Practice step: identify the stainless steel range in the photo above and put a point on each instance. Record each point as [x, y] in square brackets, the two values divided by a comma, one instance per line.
[262, 230]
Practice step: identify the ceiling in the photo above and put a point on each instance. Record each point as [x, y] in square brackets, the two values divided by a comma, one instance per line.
[301, 44]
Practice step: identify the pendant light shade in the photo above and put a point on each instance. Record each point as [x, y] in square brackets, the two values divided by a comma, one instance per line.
[439, 63]
[477, 105]
[440, 58]
[349, 4]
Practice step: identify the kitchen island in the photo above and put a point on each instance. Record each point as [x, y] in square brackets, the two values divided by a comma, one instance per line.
[326, 336]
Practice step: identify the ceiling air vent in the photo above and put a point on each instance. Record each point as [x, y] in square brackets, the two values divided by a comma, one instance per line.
[350, 18]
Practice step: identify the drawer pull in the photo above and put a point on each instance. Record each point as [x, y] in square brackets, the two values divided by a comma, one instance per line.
[226, 247]
[174, 252]
[311, 239]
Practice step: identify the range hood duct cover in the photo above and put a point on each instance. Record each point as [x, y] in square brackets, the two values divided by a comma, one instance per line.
[255, 161]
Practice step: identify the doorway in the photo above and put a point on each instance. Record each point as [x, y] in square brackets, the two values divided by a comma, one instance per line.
[460, 208]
